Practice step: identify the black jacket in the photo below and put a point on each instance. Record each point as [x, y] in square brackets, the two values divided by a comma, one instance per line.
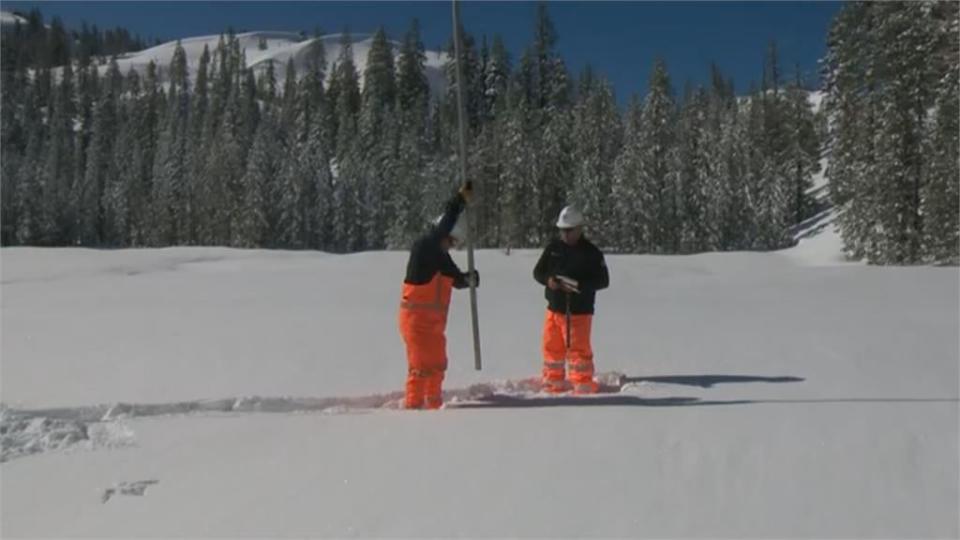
[582, 262]
[427, 257]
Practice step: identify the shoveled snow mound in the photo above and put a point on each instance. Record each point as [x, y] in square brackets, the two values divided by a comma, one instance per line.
[23, 435]
[280, 48]
[765, 398]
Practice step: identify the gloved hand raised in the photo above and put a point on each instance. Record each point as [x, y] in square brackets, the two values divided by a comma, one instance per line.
[466, 191]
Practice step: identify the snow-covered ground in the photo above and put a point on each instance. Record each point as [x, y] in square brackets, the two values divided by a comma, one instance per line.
[203, 392]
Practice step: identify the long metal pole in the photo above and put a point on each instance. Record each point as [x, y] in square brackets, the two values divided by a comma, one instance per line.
[463, 179]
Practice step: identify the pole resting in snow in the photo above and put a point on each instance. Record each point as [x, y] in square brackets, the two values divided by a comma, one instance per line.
[463, 180]
[571, 285]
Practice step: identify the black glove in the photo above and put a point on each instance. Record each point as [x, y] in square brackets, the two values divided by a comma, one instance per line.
[463, 281]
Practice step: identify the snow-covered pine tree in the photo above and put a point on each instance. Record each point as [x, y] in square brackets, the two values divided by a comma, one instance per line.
[413, 90]
[147, 122]
[12, 84]
[168, 206]
[17, 116]
[555, 168]
[898, 98]
[377, 140]
[33, 186]
[28, 197]
[842, 105]
[520, 213]
[318, 203]
[596, 135]
[719, 108]
[347, 210]
[88, 84]
[496, 78]
[99, 160]
[125, 168]
[941, 185]
[267, 84]
[803, 148]
[413, 98]
[755, 169]
[735, 208]
[627, 231]
[200, 137]
[226, 168]
[486, 148]
[473, 85]
[692, 173]
[772, 187]
[881, 73]
[263, 164]
[289, 102]
[249, 112]
[542, 56]
[178, 179]
[59, 168]
[285, 193]
[302, 218]
[654, 193]
[379, 76]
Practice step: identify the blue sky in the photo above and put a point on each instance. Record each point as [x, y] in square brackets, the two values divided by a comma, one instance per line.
[620, 39]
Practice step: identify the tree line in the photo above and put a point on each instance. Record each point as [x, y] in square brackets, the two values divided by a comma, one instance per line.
[310, 158]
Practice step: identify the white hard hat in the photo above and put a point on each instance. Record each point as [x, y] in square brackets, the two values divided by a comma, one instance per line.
[569, 218]
[458, 232]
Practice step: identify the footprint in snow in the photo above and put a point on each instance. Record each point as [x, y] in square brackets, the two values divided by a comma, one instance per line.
[137, 488]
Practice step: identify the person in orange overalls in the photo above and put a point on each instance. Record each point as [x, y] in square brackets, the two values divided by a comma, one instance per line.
[572, 269]
[431, 274]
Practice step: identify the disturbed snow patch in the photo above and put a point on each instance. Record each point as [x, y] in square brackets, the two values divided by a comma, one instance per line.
[23, 434]
[26, 432]
[137, 488]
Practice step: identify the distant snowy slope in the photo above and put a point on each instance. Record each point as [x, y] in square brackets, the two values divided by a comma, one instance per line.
[280, 48]
[162, 54]
[9, 20]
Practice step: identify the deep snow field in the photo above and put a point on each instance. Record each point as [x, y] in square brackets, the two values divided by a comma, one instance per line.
[204, 392]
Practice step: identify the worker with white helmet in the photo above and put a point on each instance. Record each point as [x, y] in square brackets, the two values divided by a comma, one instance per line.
[431, 274]
[572, 269]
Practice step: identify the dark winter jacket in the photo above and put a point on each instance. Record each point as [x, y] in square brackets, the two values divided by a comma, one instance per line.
[427, 257]
[582, 262]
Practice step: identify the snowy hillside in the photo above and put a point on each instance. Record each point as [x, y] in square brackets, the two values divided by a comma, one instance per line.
[280, 48]
[253, 393]
[8, 20]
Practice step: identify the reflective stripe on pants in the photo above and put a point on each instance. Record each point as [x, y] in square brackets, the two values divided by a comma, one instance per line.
[422, 322]
[555, 353]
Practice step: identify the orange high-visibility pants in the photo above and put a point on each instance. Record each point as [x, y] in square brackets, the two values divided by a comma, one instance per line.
[556, 356]
[423, 321]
